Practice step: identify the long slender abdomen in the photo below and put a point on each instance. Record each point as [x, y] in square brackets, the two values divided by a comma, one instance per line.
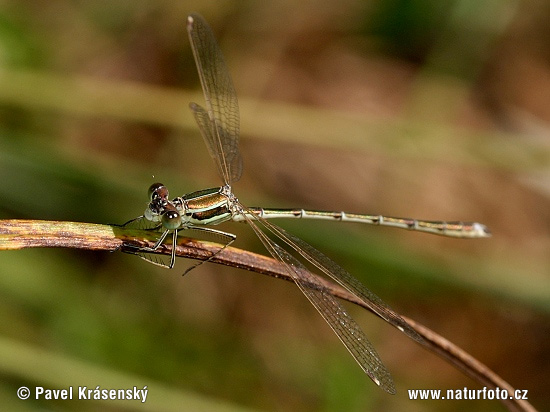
[450, 229]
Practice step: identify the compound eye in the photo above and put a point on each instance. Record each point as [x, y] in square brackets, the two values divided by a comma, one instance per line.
[157, 191]
[171, 218]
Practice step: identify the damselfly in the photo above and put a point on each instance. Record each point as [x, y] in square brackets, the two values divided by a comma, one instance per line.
[219, 126]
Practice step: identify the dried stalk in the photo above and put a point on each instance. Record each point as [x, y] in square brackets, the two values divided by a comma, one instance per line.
[20, 234]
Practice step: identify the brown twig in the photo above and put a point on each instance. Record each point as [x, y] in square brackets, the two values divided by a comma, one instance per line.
[19, 234]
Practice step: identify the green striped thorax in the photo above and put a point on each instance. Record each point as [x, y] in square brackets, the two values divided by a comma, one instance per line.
[203, 207]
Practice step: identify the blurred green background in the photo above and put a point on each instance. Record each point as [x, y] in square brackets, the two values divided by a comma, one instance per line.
[423, 108]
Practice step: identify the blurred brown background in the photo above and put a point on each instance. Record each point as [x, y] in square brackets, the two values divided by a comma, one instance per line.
[423, 108]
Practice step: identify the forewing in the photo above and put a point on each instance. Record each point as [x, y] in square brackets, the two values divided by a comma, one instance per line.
[206, 127]
[222, 109]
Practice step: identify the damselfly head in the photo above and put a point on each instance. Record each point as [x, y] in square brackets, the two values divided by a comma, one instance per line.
[163, 211]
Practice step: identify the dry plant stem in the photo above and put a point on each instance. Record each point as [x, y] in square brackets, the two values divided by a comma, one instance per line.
[20, 234]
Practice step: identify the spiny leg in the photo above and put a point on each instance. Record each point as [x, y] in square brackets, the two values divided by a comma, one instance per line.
[230, 239]
[146, 253]
[174, 243]
[159, 242]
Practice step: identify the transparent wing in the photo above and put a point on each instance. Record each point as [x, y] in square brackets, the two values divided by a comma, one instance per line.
[219, 123]
[344, 279]
[211, 139]
[347, 330]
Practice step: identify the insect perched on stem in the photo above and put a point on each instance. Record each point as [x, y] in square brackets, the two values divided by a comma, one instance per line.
[219, 126]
